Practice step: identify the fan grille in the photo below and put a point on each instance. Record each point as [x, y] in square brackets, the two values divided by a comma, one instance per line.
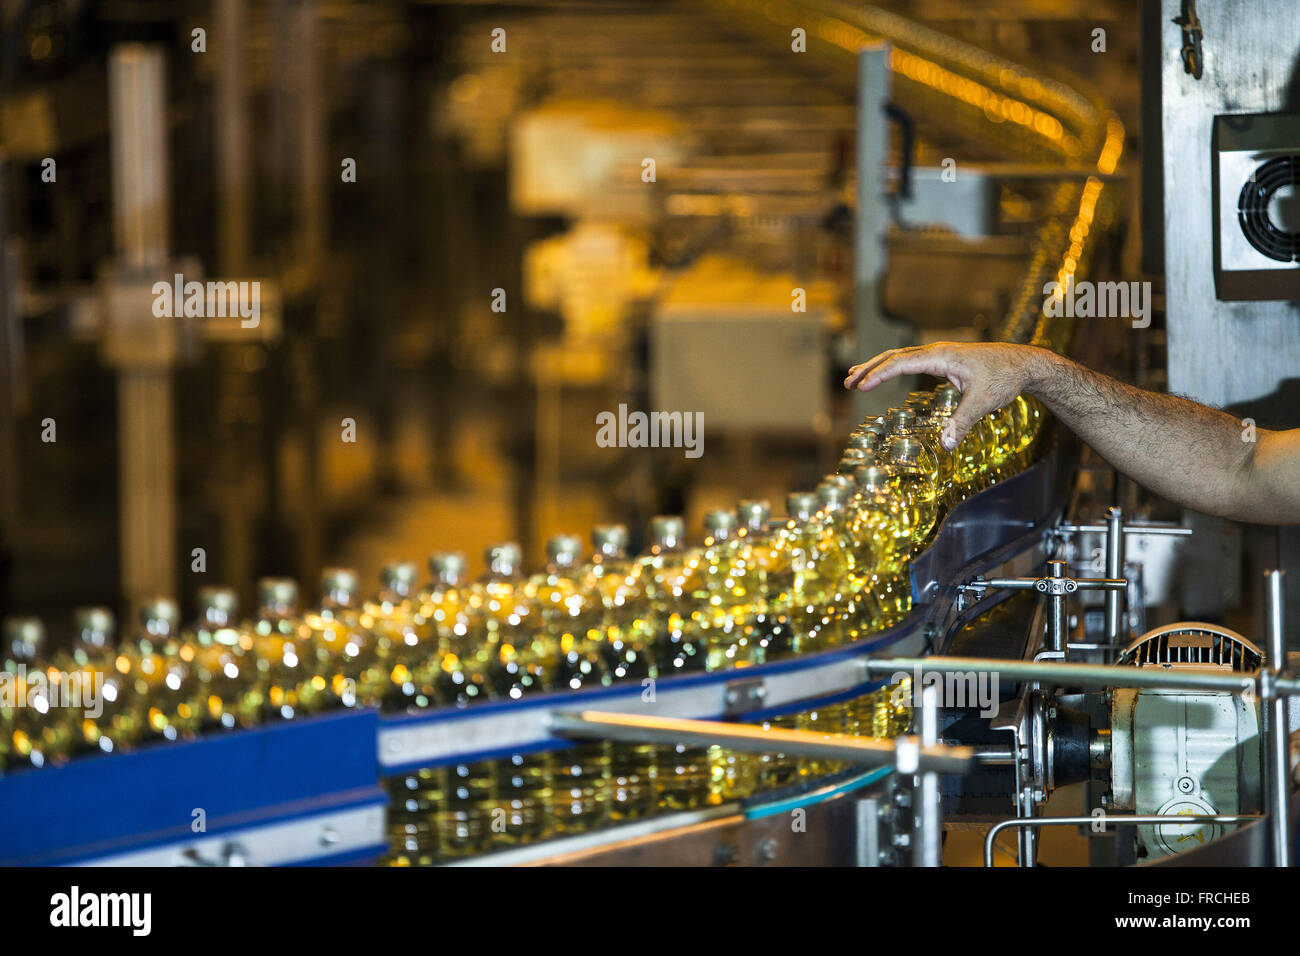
[1252, 209]
[1194, 645]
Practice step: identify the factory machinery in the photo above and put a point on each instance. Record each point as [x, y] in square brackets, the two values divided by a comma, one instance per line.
[1009, 672]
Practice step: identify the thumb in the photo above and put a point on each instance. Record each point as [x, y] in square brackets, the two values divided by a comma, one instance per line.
[962, 420]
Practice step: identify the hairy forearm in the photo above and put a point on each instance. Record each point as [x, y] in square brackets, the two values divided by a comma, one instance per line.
[1179, 449]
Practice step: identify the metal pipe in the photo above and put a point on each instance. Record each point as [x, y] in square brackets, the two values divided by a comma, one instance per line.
[1159, 529]
[1177, 819]
[1098, 676]
[1277, 786]
[1033, 584]
[635, 728]
[927, 846]
[1056, 607]
[1114, 570]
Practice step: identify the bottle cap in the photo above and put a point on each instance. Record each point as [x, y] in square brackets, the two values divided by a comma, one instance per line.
[448, 567]
[905, 450]
[720, 523]
[217, 606]
[865, 440]
[754, 513]
[94, 626]
[800, 505]
[872, 477]
[668, 530]
[504, 559]
[159, 615]
[339, 585]
[564, 550]
[831, 495]
[278, 594]
[901, 419]
[24, 638]
[609, 539]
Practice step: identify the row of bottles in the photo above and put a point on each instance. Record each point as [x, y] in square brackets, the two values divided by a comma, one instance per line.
[834, 569]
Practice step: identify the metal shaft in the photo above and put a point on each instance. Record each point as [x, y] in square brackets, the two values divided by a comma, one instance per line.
[927, 848]
[1114, 569]
[634, 728]
[1277, 784]
[1076, 675]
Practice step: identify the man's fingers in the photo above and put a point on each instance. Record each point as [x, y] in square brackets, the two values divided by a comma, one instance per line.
[856, 373]
[974, 405]
[925, 361]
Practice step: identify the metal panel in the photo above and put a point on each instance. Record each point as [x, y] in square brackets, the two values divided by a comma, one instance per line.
[1220, 352]
[242, 782]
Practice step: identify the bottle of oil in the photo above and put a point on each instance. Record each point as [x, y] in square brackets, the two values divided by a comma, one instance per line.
[281, 646]
[87, 673]
[662, 572]
[881, 517]
[968, 457]
[37, 733]
[163, 684]
[570, 618]
[930, 455]
[682, 777]
[610, 577]
[462, 812]
[501, 617]
[727, 595]
[761, 542]
[913, 480]
[465, 668]
[230, 693]
[346, 669]
[404, 640]
[816, 568]
[849, 607]
[625, 624]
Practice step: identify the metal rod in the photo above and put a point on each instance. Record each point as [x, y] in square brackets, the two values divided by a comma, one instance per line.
[1114, 569]
[927, 843]
[1031, 584]
[1127, 529]
[1077, 675]
[635, 728]
[1176, 819]
[1277, 785]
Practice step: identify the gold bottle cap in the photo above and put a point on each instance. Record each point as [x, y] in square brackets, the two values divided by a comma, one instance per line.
[720, 523]
[448, 567]
[754, 513]
[901, 419]
[667, 530]
[905, 450]
[832, 495]
[872, 477]
[159, 615]
[217, 606]
[339, 586]
[564, 550]
[24, 638]
[95, 627]
[278, 593]
[865, 440]
[609, 539]
[800, 505]
[504, 560]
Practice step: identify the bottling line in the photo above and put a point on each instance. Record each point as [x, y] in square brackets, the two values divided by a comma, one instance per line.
[929, 644]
